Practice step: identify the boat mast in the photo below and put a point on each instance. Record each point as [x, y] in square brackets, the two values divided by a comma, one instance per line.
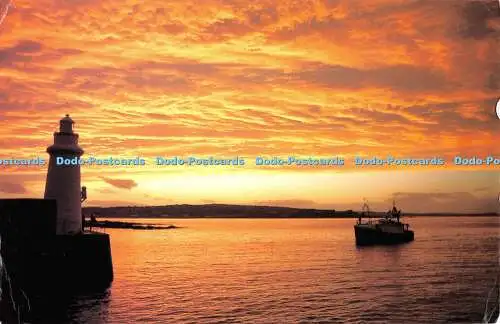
[395, 213]
[366, 210]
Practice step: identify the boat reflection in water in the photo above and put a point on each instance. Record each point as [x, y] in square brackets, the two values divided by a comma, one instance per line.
[384, 231]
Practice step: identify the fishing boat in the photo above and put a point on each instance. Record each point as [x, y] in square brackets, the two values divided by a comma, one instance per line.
[370, 230]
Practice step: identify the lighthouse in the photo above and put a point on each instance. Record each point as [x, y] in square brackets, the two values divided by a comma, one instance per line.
[43, 240]
[63, 179]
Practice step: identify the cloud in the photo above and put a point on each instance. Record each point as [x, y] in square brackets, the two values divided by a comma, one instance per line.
[120, 183]
[113, 203]
[477, 16]
[12, 188]
[29, 52]
[397, 77]
[308, 27]
[461, 202]
[461, 116]
[218, 77]
[295, 203]
[22, 52]
[485, 189]
[174, 28]
[263, 16]
[224, 29]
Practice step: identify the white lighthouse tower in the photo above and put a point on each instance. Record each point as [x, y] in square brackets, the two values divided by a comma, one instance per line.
[63, 180]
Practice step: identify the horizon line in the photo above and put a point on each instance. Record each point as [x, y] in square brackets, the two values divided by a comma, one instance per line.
[297, 208]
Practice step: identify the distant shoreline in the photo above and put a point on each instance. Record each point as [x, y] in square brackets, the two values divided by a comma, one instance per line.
[125, 225]
[241, 211]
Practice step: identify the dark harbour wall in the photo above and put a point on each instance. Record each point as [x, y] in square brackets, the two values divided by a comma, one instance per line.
[42, 265]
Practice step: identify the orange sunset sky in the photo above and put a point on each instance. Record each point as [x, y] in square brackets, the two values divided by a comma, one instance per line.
[410, 78]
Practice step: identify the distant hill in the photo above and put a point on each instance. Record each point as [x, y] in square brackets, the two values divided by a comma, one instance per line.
[233, 211]
[214, 210]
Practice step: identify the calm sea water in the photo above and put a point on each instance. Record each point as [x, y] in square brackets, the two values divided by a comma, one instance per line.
[296, 271]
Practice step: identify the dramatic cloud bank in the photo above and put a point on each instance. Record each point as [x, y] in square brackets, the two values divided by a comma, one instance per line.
[217, 77]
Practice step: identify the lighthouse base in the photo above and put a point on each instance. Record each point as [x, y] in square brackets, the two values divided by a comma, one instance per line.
[45, 266]
[60, 268]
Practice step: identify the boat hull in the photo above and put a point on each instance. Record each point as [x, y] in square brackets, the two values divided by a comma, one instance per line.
[375, 236]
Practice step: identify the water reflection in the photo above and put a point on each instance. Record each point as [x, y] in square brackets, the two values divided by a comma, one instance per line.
[61, 308]
[292, 271]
